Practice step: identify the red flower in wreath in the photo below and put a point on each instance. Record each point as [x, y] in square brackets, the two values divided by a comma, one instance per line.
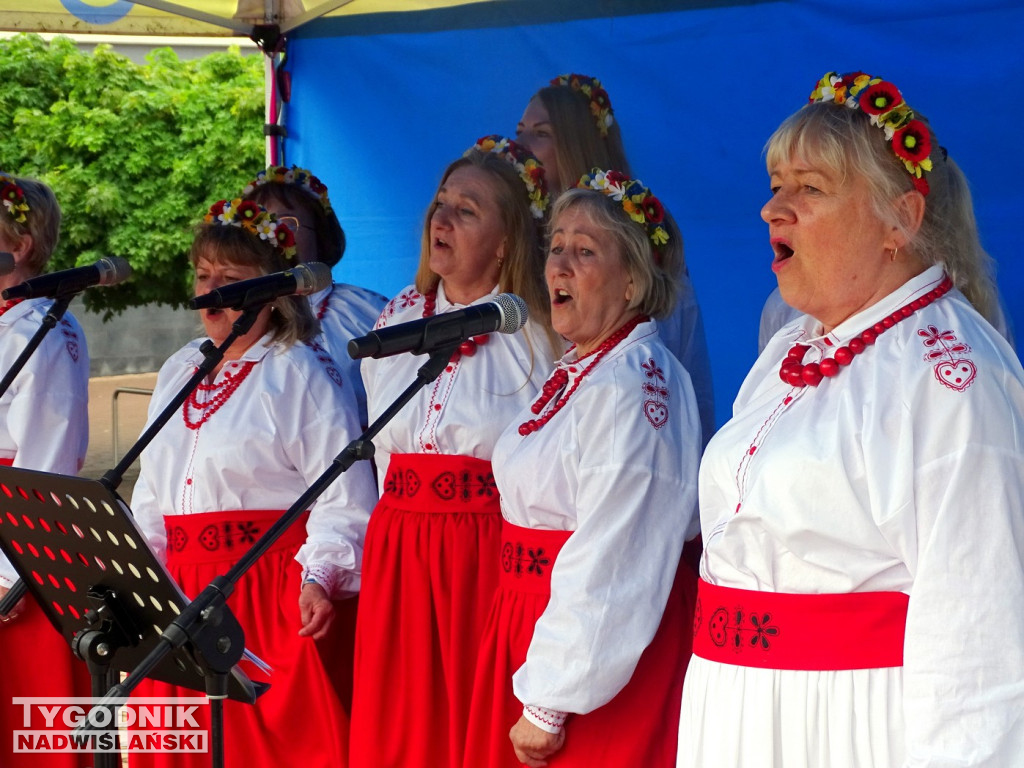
[654, 212]
[880, 98]
[600, 100]
[218, 208]
[616, 177]
[317, 186]
[921, 184]
[12, 193]
[247, 210]
[285, 236]
[913, 142]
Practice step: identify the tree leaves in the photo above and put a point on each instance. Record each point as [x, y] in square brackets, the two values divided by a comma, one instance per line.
[134, 153]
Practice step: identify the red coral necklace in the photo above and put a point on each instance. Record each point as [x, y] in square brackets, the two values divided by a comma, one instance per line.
[468, 347]
[222, 391]
[9, 304]
[797, 374]
[556, 383]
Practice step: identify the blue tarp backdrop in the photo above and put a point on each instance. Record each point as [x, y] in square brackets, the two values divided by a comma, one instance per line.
[380, 108]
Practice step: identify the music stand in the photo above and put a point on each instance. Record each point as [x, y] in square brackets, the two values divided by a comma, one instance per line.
[80, 553]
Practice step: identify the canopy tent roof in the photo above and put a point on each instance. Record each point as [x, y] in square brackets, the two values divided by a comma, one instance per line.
[190, 17]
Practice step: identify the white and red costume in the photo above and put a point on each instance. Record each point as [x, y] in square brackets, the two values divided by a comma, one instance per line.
[345, 312]
[432, 545]
[864, 551]
[44, 425]
[206, 494]
[592, 620]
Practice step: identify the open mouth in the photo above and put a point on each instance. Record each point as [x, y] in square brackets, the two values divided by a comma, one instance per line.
[560, 296]
[439, 243]
[782, 250]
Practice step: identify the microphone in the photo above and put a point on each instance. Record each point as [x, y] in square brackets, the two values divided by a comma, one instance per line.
[506, 314]
[108, 271]
[300, 281]
[6, 263]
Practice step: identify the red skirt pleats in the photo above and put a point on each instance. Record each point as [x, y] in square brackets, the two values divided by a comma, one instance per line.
[638, 727]
[300, 720]
[429, 576]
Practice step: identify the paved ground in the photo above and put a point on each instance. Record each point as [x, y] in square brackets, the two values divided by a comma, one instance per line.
[131, 419]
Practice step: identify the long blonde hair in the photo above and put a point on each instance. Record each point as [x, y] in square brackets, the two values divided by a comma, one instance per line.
[522, 270]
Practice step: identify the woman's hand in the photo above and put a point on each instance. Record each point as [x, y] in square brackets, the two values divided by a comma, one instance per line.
[17, 609]
[316, 611]
[533, 744]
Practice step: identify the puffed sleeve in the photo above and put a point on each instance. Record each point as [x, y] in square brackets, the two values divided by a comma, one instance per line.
[962, 536]
[317, 424]
[48, 418]
[636, 505]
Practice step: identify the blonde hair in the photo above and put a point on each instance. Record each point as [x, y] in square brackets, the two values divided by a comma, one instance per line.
[578, 142]
[655, 276]
[844, 141]
[522, 270]
[292, 319]
[42, 223]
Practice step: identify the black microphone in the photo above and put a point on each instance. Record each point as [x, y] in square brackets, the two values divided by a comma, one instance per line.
[108, 271]
[506, 314]
[301, 281]
[6, 263]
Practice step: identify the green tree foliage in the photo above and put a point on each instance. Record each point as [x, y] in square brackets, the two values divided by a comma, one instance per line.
[134, 153]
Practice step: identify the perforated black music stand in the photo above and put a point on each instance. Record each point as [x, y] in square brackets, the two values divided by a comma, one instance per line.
[77, 547]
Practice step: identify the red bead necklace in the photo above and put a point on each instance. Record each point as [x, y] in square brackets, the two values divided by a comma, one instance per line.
[322, 309]
[468, 347]
[560, 378]
[9, 304]
[221, 392]
[796, 374]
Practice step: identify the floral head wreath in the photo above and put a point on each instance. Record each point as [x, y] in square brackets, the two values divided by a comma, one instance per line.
[883, 102]
[13, 198]
[254, 218]
[600, 102]
[526, 165]
[295, 176]
[636, 200]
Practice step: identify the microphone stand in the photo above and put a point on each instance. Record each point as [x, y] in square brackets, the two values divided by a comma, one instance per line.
[189, 625]
[113, 477]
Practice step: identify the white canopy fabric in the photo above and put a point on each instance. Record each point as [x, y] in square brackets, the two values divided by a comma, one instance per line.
[189, 17]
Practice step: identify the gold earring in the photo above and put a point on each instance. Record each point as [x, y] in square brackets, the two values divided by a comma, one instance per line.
[892, 255]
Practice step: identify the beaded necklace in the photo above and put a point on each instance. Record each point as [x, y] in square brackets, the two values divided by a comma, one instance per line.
[9, 304]
[796, 374]
[322, 309]
[468, 347]
[221, 392]
[556, 383]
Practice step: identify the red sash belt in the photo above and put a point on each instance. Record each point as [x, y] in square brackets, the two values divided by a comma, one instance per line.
[7, 462]
[771, 630]
[212, 536]
[419, 482]
[527, 556]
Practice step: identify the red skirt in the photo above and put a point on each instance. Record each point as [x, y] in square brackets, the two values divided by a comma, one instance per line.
[35, 661]
[638, 727]
[429, 576]
[300, 720]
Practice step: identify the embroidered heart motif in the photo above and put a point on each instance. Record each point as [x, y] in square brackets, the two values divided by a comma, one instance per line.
[210, 538]
[957, 374]
[178, 538]
[412, 483]
[656, 413]
[444, 485]
[73, 350]
[718, 627]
